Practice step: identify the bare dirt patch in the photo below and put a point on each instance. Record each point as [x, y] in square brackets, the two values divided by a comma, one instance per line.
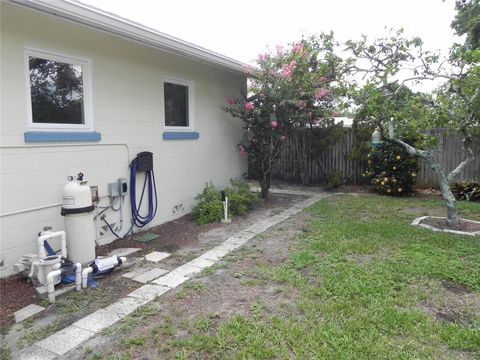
[451, 302]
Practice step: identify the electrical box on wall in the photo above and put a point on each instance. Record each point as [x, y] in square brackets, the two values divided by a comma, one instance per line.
[113, 190]
[122, 186]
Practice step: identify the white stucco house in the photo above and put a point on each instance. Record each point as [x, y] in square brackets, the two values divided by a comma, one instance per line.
[85, 91]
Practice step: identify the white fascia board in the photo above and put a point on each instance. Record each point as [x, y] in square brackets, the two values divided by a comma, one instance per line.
[99, 19]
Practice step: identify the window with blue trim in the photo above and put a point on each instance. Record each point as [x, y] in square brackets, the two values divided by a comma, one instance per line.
[58, 89]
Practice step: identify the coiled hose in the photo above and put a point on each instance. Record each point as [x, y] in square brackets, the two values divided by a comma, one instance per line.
[138, 219]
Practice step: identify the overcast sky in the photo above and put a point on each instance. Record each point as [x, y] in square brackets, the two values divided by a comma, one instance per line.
[244, 29]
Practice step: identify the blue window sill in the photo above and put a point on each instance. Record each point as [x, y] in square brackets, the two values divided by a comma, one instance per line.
[180, 135]
[48, 136]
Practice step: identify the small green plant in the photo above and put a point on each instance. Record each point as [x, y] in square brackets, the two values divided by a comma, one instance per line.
[5, 353]
[181, 294]
[466, 190]
[132, 341]
[391, 170]
[240, 198]
[334, 178]
[203, 324]
[210, 207]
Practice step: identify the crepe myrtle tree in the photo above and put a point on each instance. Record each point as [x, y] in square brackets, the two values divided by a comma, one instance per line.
[388, 66]
[296, 87]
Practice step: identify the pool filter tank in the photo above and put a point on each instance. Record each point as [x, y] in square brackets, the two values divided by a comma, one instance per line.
[79, 225]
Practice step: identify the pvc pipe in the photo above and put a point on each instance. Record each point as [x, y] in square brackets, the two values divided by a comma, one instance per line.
[41, 243]
[50, 285]
[85, 273]
[78, 276]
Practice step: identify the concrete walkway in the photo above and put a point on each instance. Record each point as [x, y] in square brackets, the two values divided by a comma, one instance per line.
[69, 338]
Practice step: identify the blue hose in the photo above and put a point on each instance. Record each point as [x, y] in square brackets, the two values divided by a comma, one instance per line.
[138, 219]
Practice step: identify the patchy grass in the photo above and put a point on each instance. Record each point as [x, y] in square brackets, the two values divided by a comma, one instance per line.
[32, 335]
[361, 273]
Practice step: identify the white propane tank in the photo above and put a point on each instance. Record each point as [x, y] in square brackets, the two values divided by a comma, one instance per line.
[79, 225]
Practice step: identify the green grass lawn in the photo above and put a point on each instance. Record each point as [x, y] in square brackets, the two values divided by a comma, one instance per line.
[368, 286]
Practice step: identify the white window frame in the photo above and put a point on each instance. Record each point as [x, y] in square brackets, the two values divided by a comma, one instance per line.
[191, 106]
[88, 125]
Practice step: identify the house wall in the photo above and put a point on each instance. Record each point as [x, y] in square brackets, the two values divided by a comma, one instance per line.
[128, 112]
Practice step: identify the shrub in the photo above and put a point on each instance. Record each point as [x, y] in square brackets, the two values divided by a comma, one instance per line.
[334, 178]
[210, 207]
[391, 169]
[240, 198]
[466, 190]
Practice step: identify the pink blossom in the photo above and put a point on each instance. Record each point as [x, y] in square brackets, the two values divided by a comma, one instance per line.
[320, 93]
[309, 114]
[279, 49]
[283, 138]
[261, 57]
[293, 63]
[297, 48]
[335, 114]
[301, 104]
[230, 101]
[274, 124]
[286, 71]
[248, 106]
[242, 150]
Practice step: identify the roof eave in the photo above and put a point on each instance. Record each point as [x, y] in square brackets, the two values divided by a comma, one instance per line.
[83, 14]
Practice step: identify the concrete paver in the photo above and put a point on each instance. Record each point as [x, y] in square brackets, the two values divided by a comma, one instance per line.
[156, 256]
[65, 340]
[149, 292]
[149, 275]
[27, 311]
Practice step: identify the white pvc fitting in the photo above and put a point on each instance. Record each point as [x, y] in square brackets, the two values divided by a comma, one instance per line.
[85, 272]
[50, 283]
[41, 243]
[78, 276]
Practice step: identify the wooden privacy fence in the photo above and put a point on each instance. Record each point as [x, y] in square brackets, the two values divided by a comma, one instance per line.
[449, 152]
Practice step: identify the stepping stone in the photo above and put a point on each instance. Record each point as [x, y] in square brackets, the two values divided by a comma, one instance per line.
[27, 311]
[123, 251]
[132, 274]
[150, 275]
[156, 256]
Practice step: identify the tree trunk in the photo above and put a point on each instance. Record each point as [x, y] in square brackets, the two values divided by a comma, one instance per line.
[453, 219]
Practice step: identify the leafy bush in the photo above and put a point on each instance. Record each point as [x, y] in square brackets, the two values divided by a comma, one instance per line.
[210, 207]
[466, 190]
[240, 198]
[391, 169]
[334, 178]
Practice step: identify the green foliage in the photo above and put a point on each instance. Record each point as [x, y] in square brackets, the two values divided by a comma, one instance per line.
[210, 207]
[467, 21]
[334, 178]
[240, 198]
[466, 190]
[391, 170]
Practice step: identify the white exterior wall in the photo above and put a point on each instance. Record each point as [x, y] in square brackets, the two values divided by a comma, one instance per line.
[127, 98]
